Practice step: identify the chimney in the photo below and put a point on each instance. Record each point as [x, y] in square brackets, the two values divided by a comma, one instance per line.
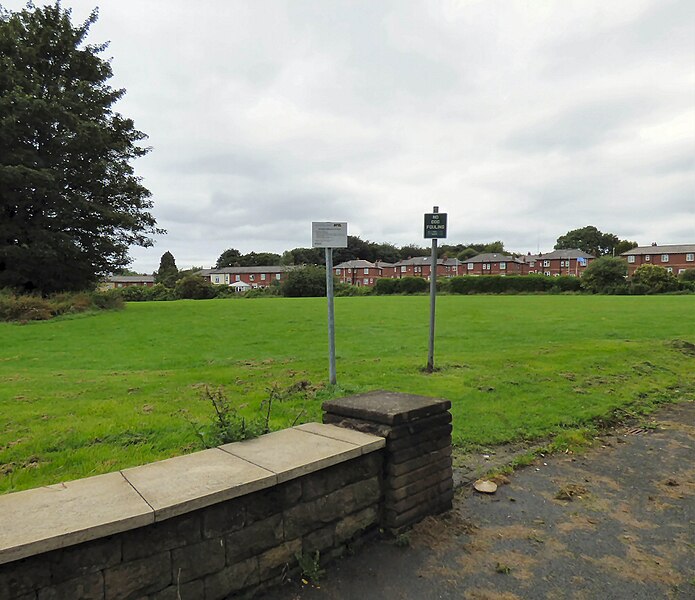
[654, 243]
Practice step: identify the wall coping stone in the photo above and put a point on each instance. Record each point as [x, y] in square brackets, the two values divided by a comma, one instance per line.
[64, 514]
[389, 408]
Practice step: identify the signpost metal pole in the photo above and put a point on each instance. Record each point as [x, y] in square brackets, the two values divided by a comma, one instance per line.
[331, 317]
[329, 235]
[433, 298]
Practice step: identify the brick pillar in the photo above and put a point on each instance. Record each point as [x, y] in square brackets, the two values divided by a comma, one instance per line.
[418, 478]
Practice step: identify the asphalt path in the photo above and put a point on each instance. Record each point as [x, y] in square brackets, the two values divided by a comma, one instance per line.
[616, 523]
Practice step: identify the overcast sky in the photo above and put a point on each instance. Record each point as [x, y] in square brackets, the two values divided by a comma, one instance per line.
[521, 120]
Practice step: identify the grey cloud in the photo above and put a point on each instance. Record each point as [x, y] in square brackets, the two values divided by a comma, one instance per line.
[580, 127]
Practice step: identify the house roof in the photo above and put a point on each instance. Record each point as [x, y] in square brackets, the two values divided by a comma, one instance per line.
[668, 249]
[426, 260]
[356, 264]
[241, 270]
[240, 284]
[131, 278]
[562, 254]
[491, 257]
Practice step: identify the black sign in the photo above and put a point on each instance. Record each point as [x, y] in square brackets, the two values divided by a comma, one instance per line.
[435, 225]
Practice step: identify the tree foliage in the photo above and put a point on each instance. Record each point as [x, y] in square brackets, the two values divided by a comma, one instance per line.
[71, 204]
[304, 282]
[233, 258]
[591, 240]
[194, 287]
[604, 275]
[167, 273]
[653, 279]
[228, 258]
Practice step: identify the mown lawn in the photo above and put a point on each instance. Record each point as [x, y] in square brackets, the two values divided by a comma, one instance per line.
[95, 393]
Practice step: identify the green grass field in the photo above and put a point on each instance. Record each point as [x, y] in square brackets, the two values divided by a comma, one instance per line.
[95, 393]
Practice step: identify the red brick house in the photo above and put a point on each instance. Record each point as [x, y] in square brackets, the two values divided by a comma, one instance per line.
[675, 258]
[357, 272]
[255, 277]
[123, 281]
[493, 264]
[572, 262]
[420, 266]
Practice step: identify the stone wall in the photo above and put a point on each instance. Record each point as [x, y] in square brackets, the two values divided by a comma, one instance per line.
[234, 519]
[240, 544]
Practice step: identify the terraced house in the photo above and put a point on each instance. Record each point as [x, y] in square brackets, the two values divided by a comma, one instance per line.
[571, 262]
[675, 258]
[494, 264]
[245, 278]
[358, 272]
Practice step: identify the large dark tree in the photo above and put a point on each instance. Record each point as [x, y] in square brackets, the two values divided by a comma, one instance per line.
[70, 204]
[593, 241]
[168, 272]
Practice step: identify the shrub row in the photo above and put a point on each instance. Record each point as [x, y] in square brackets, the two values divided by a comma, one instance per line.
[25, 307]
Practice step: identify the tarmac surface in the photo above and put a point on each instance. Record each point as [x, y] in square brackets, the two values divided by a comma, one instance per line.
[616, 523]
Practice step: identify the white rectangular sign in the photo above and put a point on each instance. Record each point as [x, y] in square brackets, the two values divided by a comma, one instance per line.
[328, 235]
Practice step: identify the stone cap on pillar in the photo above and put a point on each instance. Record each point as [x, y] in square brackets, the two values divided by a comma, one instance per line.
[388, 408]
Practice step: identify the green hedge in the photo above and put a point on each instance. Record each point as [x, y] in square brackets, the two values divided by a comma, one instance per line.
[497, 284]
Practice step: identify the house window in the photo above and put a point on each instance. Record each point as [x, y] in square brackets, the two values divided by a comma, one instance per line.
[469, 266]
[403, 269]
[547, 273]
[669, 269]
[486, 266]
[546, 263]
[217, 279]
[631, 258]
[365, 281]
[252, 277]
[690, 257]
[647, 257]
[237, 277]
[277, 276]
[664, 258]
[681, 271]
[262, 276]
[337, 271]
[366, 270]
[503, 266]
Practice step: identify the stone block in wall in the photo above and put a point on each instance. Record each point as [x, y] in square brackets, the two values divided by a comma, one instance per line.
[254, 539]
[397, 470]
[138, 578]
[336, 477]
[416, 427]
[308, 516]
[426, 496]
[86, 587]
[23, 577]
[233, 578]
[355, 523]
[165, 535]
[423, 448]
[275, 561]
[442, 463]
[320, 540]
[197, 560]
[89, 557]
[395, 520]
[192, 590]
[436, 433]
[272, 501]
[224, 517]
[422, 485]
